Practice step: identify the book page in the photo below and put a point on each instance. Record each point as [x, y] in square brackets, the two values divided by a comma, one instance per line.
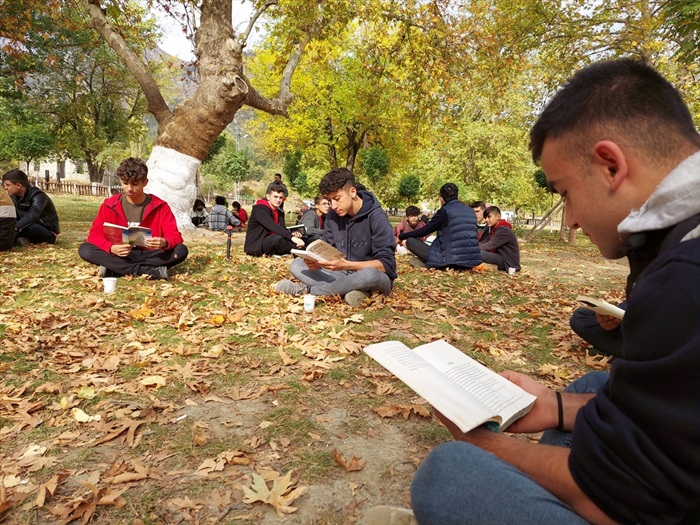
[491, 389]
[431, 384]
[305, 255]
[324, 251]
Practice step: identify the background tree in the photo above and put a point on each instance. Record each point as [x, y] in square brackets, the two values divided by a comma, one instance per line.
[409, 187]
[25, 142]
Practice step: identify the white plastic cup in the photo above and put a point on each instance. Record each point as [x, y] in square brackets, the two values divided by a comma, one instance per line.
[511, 271]
[309, 303]
[110, 284]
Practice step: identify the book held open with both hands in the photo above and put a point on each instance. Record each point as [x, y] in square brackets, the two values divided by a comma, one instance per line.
[134, 235]
[463, 390]
[601, 307]
[319, 250]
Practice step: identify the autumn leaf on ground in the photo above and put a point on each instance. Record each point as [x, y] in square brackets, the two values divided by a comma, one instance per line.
[354, 465]
[142, 312]
[404, 410]
[281, 495]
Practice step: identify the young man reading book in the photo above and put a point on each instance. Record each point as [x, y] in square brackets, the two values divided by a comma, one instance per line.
[619, 144]
[357, 226]
[267, 233]
[163, 250]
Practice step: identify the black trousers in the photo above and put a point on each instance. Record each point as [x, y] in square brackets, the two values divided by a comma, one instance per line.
[277, 245]
[138, 262]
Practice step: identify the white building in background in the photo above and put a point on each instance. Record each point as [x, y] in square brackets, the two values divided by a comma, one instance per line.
[63, 170]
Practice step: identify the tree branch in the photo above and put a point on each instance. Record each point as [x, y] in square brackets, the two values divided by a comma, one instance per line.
[279, 104]
[156, 103]
[243, 40]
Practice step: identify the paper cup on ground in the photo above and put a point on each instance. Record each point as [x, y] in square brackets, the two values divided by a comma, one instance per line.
[309, 302]
[110, 284]
[511, 271]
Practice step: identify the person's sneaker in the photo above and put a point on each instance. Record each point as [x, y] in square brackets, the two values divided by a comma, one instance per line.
[356, 297]
[416, 262]
[23, 242]
[291, 288]
[385, 515]
[160, 272]
[102, 272]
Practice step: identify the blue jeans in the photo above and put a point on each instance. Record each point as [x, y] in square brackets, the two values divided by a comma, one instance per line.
[461, 484]
[327, 282]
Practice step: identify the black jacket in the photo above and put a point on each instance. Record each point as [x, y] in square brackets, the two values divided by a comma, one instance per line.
[261, 223]
[37, 207]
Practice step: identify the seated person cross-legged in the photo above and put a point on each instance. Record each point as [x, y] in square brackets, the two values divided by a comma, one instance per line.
[267, 233]
[499, 246]
[37, 220]
[456, 245]
[220, 217]
[313, 218]
[134, 207]
[358, 227]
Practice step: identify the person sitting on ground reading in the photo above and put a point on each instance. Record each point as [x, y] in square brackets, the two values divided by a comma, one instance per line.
[37, 220]
[240, 214]
[410, 223]
[499, 246]
[620, 144]
[456, 245]
[314, 217]
[357, 226]
[481, 227]
[267, 233]
[220, 217]
[602, 332]
[199, 214]
[8, 221]
[134, 207]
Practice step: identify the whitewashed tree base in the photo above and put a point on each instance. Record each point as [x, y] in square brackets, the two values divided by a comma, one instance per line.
[172, 176]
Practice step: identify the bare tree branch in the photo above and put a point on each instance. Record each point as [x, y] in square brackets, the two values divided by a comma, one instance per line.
[243, 40]
[156, 103]
[279, 105]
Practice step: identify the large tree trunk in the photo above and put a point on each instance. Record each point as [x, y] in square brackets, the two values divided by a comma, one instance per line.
[186, 134]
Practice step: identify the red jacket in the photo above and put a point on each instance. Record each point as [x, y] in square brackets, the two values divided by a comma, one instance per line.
[157, 216]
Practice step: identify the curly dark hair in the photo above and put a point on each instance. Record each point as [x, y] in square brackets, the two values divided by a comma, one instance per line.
[132, 170]
[335, 180]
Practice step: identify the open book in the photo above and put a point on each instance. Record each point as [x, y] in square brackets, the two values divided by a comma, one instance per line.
[463, 390]
[135, 235]
[301, 228]
[601, 307]
[319, 250]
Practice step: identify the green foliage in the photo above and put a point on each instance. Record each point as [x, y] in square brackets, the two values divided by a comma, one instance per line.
[409, 186]
[25, 142]
[215, 148]
[375, 162]
[292, 170]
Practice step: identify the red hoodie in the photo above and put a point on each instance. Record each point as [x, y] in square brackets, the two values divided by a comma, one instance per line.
[157, 216]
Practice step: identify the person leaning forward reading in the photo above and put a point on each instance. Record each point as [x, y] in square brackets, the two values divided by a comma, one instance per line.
[357, 226]
[37, 220]
[134, 207]
[267, 233]
[456, 245]
[619, 144]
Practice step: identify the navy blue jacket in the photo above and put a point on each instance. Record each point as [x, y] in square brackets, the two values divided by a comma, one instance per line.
[456, 244]
[635, 445]
[37, 207]
[365, 237]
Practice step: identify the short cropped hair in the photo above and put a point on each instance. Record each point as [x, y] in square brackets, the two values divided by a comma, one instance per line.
[335, 180]
[478, 204]
[449, 191]
[412, 211]
[318, 199]
[624, 99]
[275, 187]
[132, 170]
[220, 200]
[492, 209]
[236, 205]
[17, 177]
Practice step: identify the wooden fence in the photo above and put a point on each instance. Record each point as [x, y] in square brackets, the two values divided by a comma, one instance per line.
[76, 188]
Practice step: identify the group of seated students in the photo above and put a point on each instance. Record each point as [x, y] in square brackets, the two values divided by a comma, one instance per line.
[463, 242]
[220, 217]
